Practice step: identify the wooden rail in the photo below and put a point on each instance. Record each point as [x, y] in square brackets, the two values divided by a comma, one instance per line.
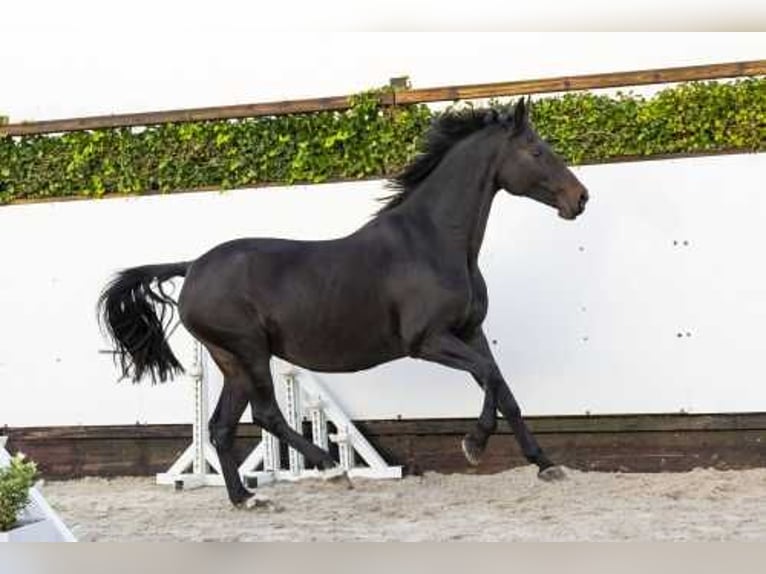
[424, 95]
[584, 82]
[637, 443]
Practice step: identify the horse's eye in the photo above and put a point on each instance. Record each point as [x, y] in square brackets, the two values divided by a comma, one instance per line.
[537, 152]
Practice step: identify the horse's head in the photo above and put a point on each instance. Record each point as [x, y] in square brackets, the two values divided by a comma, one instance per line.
[529, 167]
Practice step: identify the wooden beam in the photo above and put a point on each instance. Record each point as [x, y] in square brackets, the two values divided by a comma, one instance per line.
[584, 82]
[643, 442]
[176, 116]
[424, 95]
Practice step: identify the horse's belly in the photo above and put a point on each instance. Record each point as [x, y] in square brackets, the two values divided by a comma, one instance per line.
[338, 350]
[343, 364]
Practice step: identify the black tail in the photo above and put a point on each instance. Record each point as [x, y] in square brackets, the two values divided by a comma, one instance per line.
[135, 313]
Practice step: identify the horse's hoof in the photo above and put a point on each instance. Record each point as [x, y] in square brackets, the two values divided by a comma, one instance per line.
[255, 501]
[338, 475]
[552, 474]
[472, 450]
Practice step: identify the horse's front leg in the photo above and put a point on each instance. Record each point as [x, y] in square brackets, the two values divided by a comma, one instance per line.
[475, 442]
[476, 358]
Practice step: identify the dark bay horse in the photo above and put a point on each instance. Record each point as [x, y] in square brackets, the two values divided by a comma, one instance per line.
[406, 284]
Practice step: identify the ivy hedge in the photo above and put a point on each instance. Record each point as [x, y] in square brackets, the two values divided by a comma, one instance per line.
[367, 140]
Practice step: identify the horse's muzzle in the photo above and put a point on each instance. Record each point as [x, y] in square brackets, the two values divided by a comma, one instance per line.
[571, 210]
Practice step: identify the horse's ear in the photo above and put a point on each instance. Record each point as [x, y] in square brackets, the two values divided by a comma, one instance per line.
[520, 114]
[490, 117]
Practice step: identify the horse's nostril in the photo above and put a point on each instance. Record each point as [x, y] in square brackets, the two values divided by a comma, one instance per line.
[583, 201]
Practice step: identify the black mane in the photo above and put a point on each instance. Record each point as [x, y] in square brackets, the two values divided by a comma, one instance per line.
[445, 131]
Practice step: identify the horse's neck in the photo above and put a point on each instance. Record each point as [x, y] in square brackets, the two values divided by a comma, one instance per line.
[457, 197]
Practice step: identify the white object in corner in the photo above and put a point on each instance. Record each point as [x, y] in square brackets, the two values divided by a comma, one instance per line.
[38, 522]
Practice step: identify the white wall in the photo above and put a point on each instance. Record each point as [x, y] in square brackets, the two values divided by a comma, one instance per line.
[585, 313]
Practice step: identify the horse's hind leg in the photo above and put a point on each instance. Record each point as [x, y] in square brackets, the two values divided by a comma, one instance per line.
[267, 413]
[247, 379]
[234, 398]
[223, 427]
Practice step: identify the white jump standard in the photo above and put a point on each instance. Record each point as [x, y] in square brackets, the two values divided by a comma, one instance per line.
[200, 456]
[305, 399]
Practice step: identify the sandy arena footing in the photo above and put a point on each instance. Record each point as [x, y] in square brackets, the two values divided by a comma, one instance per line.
[512, 505]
